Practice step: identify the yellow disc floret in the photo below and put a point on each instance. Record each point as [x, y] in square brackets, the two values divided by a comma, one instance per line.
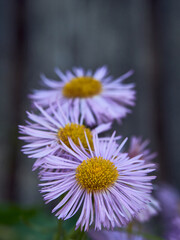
[96, 174]
[75, 132]
[82, 87]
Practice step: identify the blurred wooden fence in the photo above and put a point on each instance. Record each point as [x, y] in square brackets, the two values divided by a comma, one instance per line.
[38, 35]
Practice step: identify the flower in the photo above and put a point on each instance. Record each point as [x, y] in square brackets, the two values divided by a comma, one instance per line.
[170, 201]
[114, 235]
[96, 96]
[139, 147]
[173, 232]
[44, 132]
[105, 185]
[169, 198]
[151, 209]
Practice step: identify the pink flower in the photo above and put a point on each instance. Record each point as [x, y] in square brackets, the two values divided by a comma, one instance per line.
[114, 235]
[139, 147]
[104, 184]
[44, 132]
[96, 96]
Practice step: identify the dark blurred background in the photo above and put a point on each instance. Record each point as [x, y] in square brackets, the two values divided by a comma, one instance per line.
[37, 36]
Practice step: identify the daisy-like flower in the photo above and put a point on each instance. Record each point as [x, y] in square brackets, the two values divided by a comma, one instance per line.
[152, 209]
[44, 132]
[170, 201]
[96, 96]
[104, 184]
[114, 235]
[173, 232]
[169, 198]
[137, 147]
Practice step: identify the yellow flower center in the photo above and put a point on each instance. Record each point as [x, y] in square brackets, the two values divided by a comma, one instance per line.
[96, 174]
[82, 87]
[75, 132]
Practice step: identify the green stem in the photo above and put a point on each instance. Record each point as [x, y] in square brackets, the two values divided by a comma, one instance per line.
[77, 235]
[60, 231]
[130, 227]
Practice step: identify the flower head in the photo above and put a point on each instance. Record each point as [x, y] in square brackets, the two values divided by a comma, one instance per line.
[96, 96]
[104, 184]
[45, 131]
[138, 146]
[114, 235]
[170, 201]
[173, 232]
[151, 209]
[169, 198]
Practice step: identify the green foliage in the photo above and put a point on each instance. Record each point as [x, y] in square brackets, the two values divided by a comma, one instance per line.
[17, 223]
